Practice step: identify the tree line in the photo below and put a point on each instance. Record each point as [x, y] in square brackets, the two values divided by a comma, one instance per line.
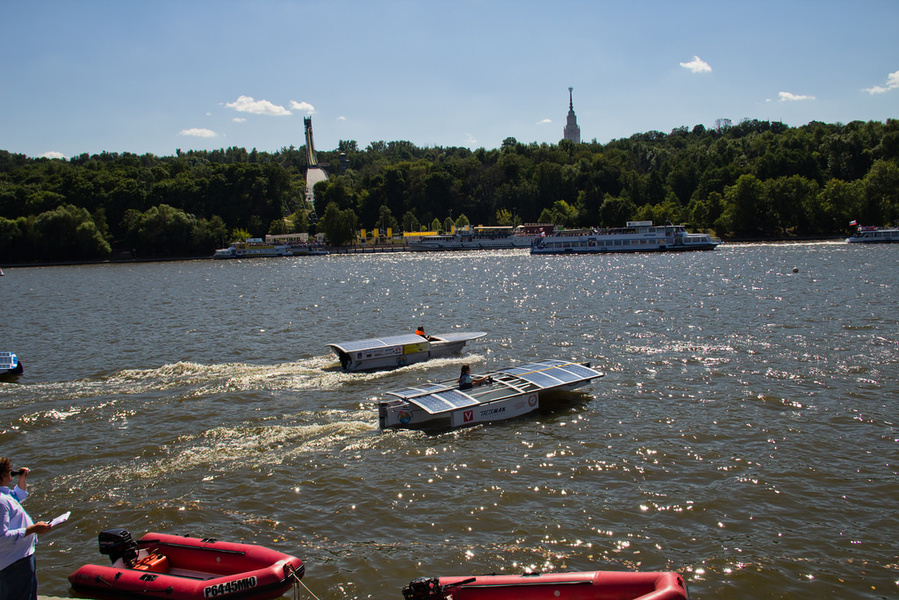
[753, 179]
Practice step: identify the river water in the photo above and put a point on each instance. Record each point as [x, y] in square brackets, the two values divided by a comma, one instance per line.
[745, 433]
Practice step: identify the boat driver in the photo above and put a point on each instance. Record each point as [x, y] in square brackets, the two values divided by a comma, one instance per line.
[466, 381]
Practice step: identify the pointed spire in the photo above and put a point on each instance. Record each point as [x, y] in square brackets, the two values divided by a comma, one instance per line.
[572, 131]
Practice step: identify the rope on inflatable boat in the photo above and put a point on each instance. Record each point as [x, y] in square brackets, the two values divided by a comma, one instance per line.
[296, 587]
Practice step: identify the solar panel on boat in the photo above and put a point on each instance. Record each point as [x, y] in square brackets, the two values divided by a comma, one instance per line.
[397, 340]
[541, 378]
[424, 389]
[581, 370]
[550, 373]
[461, 336]
[443, 401]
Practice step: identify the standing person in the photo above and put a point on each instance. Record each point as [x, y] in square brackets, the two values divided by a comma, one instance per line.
[18, 536]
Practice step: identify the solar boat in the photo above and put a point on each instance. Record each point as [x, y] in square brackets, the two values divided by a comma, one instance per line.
[399, 350]
[10, 367]
[504, 394]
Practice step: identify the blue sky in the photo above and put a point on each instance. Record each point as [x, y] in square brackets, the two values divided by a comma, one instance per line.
[158, 75]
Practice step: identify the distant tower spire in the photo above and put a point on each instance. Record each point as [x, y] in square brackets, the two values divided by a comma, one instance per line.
[314, 171]
[571, 132]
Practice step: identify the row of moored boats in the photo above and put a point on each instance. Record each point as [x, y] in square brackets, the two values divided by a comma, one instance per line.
[635, 236]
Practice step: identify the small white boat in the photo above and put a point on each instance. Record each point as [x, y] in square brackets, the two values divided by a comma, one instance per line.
[636, 236]
[399, 350]
[10, 367]
[505, 394]
[870, 234]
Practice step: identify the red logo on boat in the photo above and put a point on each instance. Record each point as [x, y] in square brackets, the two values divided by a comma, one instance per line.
[467, 416]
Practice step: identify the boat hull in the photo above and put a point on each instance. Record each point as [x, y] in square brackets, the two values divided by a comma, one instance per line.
[400, 356]
[592, 585]
[192, 569]
[500, 395]
[399, 351]
[402, 415]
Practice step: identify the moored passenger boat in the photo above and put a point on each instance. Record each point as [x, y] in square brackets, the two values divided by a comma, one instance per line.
[869, 234]
[184, 568]
[482, 238]
[500, 395]
[590, 585]
[636, 236]
[253, 248]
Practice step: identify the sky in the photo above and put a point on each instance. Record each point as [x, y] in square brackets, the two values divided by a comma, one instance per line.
[157, 76]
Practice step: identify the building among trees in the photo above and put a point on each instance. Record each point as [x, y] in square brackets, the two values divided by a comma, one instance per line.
[572, 132]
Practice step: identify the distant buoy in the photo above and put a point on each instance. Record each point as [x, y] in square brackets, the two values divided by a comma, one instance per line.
[795, 269]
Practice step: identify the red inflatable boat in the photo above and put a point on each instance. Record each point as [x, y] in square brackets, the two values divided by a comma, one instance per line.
[185, 568]
[592, 585]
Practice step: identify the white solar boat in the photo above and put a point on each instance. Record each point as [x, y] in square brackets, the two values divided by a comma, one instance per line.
[508, 393]
[10, 367]
[399, 350]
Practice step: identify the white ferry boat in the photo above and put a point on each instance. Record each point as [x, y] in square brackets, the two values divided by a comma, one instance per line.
[636, 236]
[257, 248]
[253, 248]
[482, 238]
[870, 234]
[399, 350]
[504, 394]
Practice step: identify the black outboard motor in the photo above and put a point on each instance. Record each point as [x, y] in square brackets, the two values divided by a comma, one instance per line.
[423, 588]
[117, 543]
[429, 588]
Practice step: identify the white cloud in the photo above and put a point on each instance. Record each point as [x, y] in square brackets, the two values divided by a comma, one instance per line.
[470, 140]
[341, 118]
[239, 120]
[697, 65]
[257, 107]
[52, 154]
[788, 97]
[198, 132]
[892, 84]
[302, 106]
[544, 121]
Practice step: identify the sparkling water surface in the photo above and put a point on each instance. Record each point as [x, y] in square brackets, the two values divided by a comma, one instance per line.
[745, 433]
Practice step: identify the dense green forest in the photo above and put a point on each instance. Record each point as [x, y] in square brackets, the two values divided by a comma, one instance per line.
[755, 179]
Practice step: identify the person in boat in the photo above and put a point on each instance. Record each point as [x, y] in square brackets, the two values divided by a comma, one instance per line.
[18, 536]
[421, 331]
[466, 381]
